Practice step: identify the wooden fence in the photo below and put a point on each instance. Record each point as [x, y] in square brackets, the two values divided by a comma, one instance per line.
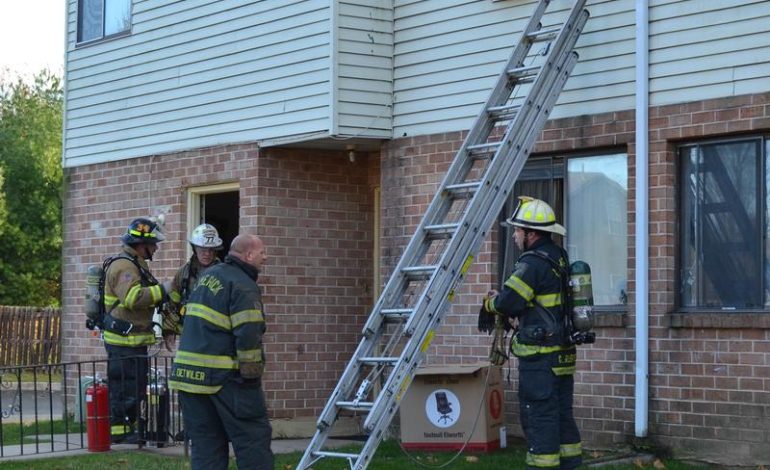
[29, 336]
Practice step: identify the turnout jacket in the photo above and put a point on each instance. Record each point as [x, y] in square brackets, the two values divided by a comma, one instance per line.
[223, 328]
[185, 279]
[534, 295]
[181, 286]
[131, 294]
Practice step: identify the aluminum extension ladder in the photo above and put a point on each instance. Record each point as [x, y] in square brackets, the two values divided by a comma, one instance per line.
[402, 323]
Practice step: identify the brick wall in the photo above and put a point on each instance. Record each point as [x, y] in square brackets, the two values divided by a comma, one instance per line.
[709, 387]
[709, 373]
[314, 211]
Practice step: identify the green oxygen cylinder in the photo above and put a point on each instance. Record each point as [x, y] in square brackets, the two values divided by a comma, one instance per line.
[91, 303]
[582, 296]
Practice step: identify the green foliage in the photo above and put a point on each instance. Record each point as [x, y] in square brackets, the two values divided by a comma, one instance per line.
[30, 200]
[41, 431]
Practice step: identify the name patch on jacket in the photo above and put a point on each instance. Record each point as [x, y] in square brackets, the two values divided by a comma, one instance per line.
[197, 375]
[211, 283]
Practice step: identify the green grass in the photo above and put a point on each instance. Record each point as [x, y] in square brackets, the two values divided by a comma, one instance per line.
[389, 456]
[11, 432]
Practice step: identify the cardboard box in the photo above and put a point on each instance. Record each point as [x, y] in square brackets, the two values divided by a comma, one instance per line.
[441, 406]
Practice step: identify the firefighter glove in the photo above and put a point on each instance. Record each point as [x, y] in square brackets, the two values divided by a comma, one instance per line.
[486, 320]
[251, 370]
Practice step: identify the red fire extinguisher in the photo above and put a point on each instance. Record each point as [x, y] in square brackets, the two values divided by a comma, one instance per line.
[98, 417]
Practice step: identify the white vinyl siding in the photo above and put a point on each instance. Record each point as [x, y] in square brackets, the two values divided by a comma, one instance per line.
[447, 60]
[194, 74]
[706, 50]
[364, 81]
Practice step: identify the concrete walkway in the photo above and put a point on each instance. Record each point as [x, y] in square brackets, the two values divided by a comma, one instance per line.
[62, 446]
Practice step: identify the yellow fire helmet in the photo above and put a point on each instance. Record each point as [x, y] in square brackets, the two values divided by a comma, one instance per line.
[535, 214]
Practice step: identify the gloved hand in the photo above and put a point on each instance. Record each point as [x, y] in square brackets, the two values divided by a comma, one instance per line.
[251, 370]
[172, 319]
[486, 321]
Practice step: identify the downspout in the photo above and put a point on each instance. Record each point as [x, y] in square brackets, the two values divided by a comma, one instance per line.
[642, 218]
[334, 34]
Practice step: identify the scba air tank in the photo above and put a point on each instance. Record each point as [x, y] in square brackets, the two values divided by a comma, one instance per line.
[582, 296]
[92, 299]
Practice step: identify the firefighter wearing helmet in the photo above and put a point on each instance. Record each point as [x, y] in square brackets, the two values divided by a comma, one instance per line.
[205, 243]
[535, 295]
[131, 294]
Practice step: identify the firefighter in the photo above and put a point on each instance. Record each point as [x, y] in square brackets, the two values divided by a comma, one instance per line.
[131, 294]
[535, 294]
[219, 363]
[205, 243]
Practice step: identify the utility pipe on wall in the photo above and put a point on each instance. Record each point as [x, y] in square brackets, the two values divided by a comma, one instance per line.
[642, 218]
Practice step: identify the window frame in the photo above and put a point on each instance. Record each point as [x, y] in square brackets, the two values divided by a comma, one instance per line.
[103, 37]
[558, 166]
[763, 222]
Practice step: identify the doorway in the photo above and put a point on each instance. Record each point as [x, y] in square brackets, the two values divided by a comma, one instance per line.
[218, 205]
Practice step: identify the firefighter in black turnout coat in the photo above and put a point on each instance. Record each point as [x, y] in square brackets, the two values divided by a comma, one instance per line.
[219, 364]
[535, 294]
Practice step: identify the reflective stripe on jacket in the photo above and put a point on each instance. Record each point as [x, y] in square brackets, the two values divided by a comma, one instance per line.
[131, 297]
[223, 328]
[535, 281]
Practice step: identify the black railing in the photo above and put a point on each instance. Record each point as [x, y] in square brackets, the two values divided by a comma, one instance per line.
[44, 408]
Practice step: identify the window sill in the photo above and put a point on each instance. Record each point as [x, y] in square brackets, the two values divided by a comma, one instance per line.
[610, 319]
[711, 319]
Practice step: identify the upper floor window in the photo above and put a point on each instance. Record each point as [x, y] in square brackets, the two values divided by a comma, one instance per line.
[590, 194]
[98, 19]
[723, 249]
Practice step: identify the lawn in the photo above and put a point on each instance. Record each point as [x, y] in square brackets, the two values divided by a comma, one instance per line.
[10, 434]
[389, 456]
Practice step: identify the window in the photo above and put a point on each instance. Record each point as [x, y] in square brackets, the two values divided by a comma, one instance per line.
[723, 246]
[593, 191]
[98, 19]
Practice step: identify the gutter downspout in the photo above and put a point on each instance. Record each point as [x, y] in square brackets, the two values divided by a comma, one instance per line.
[642, 218]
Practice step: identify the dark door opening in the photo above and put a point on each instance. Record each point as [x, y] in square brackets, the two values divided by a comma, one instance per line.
[222, 211]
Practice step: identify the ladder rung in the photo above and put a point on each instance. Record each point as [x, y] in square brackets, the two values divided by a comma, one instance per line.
[396, 313]
[463, 189]
[488, 148]
[355, 405]
[378, 360]
[504, 112]
[521, 72]
[439, 231]
[340, 455]
[419, 272]
[545, 34]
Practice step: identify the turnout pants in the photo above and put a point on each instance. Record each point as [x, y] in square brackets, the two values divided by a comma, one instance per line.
[553, 439]
[238, 414]
[127, 383]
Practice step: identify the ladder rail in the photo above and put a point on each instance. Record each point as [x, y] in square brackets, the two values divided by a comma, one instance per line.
[504, 83]
[484, 123]
[461, 238]
[429, 321]
[530, 118]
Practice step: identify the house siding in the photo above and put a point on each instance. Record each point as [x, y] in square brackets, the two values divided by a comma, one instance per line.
[364, 69]
[447, 60]
[192, 75]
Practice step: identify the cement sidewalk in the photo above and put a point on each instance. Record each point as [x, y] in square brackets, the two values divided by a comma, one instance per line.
[63, 445]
